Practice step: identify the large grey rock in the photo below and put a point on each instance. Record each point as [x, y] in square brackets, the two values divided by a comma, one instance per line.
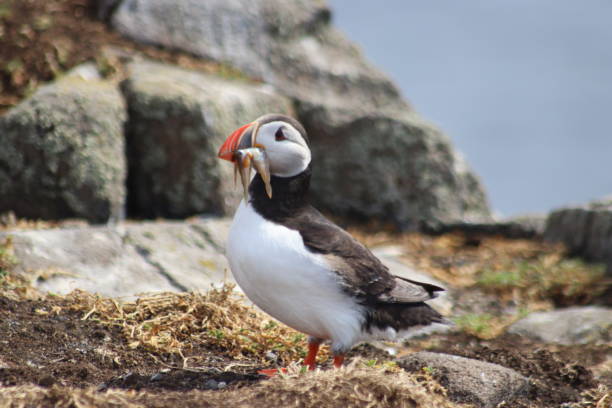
[62, 153]
[575, 325]
[126, 259]
[285, 42]
[229, 31]
[177, 121]
[585, 230]
[398, 169]
[468, 380]
[368, 144]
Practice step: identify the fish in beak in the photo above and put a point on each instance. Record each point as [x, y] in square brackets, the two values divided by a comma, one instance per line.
[242, 149]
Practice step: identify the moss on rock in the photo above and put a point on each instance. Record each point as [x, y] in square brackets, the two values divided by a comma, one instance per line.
[62, 153]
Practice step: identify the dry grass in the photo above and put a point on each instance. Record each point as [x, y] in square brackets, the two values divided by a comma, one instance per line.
[7, 257]
[350, 387]
[9, 221]
[527, 275]
[64, 397]
[13, 286]
[549, 277]
[354, 386]
[521, 270]
[600, 397]
[174, 322]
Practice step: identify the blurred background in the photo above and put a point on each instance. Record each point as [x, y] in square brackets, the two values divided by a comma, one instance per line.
[522, 87]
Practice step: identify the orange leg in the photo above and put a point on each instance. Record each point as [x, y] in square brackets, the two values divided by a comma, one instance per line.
[311, 359]
[338, 360]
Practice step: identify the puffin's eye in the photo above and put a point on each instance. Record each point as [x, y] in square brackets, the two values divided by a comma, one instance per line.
[279, 135]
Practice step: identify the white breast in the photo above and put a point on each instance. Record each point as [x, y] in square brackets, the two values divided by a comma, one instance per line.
[297, 287]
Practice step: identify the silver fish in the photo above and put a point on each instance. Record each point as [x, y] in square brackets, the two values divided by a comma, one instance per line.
[244, 160]
[262, 165]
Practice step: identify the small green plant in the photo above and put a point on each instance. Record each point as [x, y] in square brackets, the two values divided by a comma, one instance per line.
[270, 325]
[217, 334]
[499, 279]
[6, 11]
[7, 258]
[553, 278]
[477, 324]
[429, 370]
[371, 363]
[42, 23]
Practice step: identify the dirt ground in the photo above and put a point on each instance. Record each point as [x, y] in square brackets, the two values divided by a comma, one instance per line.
[49, 344]
[84, 350]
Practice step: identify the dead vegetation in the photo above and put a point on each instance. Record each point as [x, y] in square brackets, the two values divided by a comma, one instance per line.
[13, 286]
[522, 275]
[513, 269]
[174, 322]
[9, 221]
[353, 386]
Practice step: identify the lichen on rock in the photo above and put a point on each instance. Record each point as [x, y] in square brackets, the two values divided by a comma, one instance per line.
[62, 153]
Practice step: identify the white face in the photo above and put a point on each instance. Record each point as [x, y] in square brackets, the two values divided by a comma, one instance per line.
[287, 150]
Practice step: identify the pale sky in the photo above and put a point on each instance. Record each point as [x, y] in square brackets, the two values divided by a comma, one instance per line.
[522, 87]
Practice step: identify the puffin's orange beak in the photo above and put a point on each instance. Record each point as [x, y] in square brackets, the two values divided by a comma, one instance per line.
[241, 149]
[240, 139]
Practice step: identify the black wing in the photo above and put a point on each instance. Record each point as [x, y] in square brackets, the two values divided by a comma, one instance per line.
[360, 272]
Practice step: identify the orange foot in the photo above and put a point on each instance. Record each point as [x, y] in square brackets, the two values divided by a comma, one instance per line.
[271, 372]
[338, 360]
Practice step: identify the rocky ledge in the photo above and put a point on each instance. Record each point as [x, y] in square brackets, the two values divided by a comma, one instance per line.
[375, 158]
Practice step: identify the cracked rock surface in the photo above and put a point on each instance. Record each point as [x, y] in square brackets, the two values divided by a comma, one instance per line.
[55, 150]
[127, 259]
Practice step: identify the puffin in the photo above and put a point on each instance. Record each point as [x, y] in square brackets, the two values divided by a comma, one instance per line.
[298, 266]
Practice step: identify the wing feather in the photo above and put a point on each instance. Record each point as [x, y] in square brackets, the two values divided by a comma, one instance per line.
[361, 273]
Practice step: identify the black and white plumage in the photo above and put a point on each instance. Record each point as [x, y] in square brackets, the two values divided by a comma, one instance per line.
[301, 268]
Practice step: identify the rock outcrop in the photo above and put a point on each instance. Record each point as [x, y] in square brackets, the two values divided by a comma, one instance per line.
[585, 230]
[62, 153]
[126, 259]
[375, 157]
[400, 170]
[288, 43]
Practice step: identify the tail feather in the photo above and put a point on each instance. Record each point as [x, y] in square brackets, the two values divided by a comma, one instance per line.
[401, 316]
